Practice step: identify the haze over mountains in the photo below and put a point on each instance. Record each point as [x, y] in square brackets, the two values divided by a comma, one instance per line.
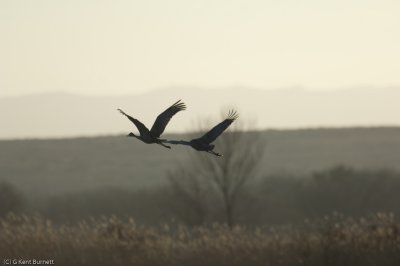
[66, 115]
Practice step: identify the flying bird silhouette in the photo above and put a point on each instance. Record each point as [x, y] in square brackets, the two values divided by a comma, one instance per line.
[204, 143]
[153, 135]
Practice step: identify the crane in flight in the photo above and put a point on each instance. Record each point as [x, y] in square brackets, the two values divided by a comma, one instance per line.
[153, 135]
[204, 143]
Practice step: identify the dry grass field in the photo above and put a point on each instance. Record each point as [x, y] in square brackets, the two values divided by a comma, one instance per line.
[334, 240]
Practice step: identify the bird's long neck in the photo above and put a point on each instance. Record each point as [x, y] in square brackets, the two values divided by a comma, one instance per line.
[181, 142]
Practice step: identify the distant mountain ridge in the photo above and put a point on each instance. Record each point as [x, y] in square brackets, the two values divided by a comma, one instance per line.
[66, 115]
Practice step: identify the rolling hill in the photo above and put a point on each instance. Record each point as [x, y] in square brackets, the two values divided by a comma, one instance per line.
[53, 166]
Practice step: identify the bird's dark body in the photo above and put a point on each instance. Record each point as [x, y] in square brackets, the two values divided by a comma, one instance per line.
[200, 145]
[146, 138]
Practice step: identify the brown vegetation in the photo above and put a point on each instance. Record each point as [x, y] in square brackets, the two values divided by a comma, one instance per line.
[334, 240]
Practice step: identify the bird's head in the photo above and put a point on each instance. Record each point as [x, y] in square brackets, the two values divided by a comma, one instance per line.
[131, 135]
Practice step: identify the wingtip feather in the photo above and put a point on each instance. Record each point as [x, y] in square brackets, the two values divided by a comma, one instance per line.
[180, 105]
[233, 115]
[120, 110]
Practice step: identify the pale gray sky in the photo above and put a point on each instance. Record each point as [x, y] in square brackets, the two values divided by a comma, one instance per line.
[118, 47]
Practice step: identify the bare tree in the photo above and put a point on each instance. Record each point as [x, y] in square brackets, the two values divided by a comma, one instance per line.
[210, 178]
[190, 192]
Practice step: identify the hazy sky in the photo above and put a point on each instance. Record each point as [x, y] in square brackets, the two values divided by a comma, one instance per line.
[133, 46]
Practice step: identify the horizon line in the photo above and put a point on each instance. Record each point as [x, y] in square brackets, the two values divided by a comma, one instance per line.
[272, 129]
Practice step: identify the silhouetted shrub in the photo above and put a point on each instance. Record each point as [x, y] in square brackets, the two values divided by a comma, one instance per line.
[11, 200]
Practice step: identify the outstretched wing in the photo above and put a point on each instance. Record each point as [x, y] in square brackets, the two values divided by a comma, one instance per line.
[142, 128]
[214, 133]
[162, 120]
